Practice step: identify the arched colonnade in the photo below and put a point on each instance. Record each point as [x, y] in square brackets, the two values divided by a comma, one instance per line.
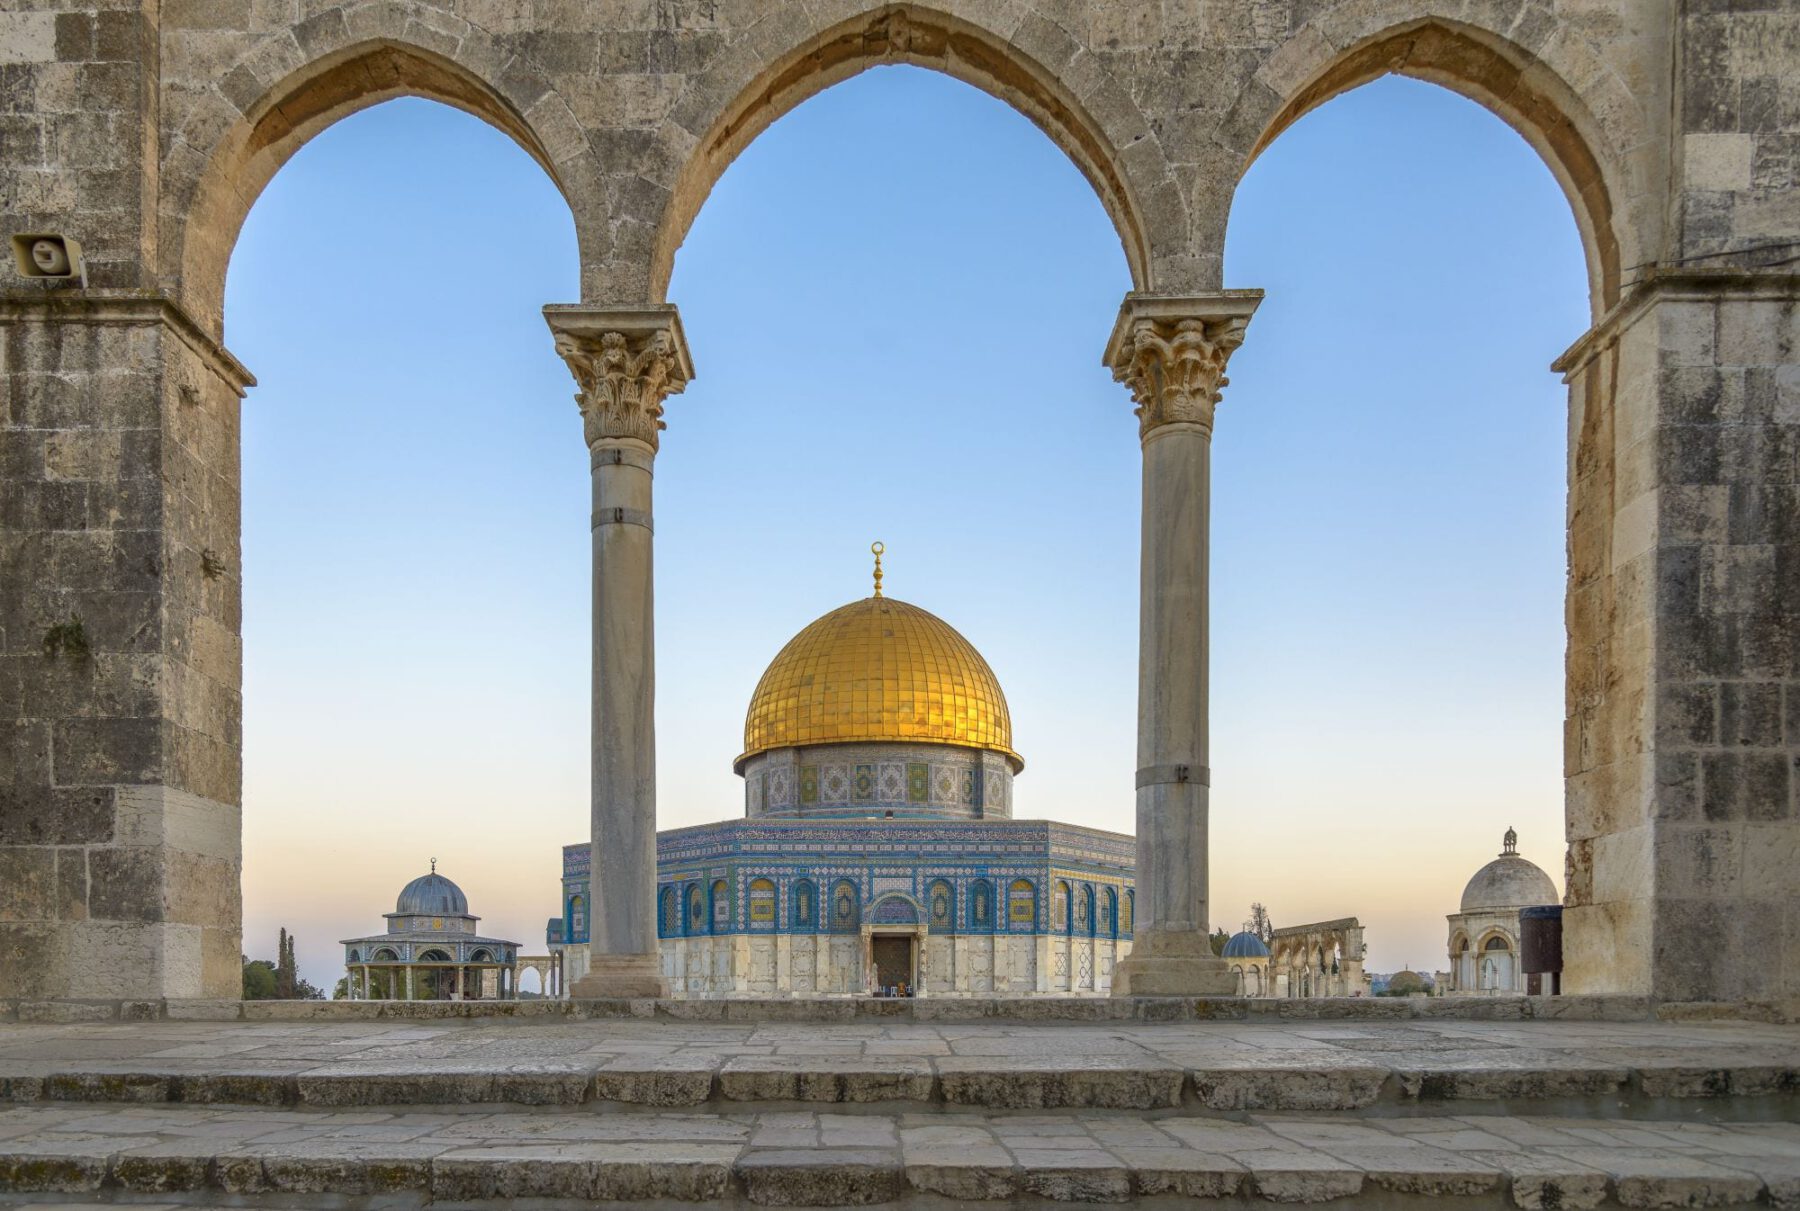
[1162, 112]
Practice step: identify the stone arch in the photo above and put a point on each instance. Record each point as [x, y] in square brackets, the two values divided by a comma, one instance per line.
[1522, 75]
[1495, 939]
[766, 73]
[277, 97]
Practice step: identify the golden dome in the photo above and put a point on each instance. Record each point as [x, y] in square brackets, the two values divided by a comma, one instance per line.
[878, 669]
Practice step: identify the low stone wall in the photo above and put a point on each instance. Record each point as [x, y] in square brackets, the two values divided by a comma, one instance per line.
[961, 1009]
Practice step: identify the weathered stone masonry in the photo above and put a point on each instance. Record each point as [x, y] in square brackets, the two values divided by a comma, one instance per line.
[146, 131]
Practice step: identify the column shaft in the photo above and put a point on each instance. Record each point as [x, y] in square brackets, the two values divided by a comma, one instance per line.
[1171, 352]
[626, 363]
[1172, 679]
[622, 892]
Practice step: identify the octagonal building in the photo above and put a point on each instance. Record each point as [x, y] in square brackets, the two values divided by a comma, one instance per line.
[877, 853]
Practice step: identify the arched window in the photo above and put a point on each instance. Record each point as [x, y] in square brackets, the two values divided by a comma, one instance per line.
[1496, 943]
[940, 903]
[355, 956]
[696, 909]
[846, 907]
[894, 909]
[668, 913]
[1109, 913]
[1084, 910]
[578, 918]
[806, 907]
[1059, 906]
[1021, 905]
[762, 905]
[1128, 913]
[384, 955]
[721, 906]
[981, 904]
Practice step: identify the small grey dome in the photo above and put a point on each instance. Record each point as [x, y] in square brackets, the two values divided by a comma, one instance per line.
[1245, 945]
[432, 895]
[1509, 881]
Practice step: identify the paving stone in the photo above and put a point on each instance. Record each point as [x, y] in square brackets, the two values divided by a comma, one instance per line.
[1289, 1089]
[820, 1178]
[1657, 1180]
[807, 1079]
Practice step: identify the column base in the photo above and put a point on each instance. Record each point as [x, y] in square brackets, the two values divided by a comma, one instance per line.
[610, 977]
[1176, 963]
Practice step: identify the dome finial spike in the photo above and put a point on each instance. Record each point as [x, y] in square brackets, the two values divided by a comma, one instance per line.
[434, 866]
[1510, 841]
[876, 548]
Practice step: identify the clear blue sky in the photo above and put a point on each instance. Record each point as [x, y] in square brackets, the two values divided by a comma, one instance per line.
[896, 301]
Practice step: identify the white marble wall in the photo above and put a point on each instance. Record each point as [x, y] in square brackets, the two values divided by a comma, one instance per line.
[781, 965]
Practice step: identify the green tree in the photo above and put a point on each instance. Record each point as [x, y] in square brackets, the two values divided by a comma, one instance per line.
[1218, 940]
[259, 980]
[286, 977]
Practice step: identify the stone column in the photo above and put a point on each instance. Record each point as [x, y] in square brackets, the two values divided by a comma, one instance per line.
[1170, 351]
[627, 362]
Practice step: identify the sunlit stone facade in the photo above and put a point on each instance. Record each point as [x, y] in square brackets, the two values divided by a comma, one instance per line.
[1485, 932]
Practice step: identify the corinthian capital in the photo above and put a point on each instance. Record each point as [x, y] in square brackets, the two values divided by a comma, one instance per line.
[627, 362]
[1170, 352]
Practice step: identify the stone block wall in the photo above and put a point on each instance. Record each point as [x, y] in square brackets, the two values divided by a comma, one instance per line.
[119, 657]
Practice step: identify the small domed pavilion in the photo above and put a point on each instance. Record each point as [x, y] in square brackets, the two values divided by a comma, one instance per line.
[431, 950]
[1248, 957]
[1484, 933]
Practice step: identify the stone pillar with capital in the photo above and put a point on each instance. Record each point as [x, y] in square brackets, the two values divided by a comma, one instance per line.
[1170, 351]
[626, 362]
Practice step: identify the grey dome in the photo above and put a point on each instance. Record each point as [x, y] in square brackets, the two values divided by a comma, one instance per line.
[432, 895]
[1245, 945]
[1509, 881]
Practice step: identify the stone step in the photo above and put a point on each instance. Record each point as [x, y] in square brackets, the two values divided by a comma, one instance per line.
[1714, 1071]
[1727, 1091]
[197, 1155]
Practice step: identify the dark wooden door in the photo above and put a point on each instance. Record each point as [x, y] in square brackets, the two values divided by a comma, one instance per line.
[893, 961]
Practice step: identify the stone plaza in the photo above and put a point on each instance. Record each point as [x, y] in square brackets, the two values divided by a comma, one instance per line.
[135, 137]
[576, 1104]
